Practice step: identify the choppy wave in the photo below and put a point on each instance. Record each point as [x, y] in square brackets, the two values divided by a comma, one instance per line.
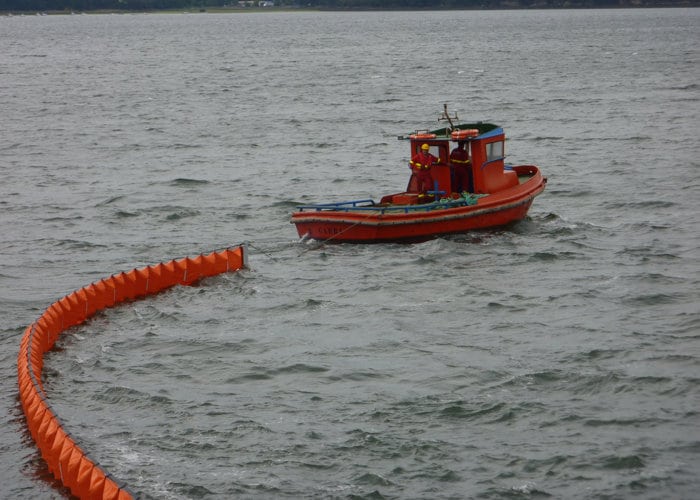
[555, 357]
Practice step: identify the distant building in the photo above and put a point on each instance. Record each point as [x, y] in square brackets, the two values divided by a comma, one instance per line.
[254, 3]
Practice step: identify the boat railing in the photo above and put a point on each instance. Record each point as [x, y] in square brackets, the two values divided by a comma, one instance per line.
[341, 205]
[370, 206]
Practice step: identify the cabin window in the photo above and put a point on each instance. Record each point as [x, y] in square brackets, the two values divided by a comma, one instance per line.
[436, 150]
[494, 151]
[441, 152]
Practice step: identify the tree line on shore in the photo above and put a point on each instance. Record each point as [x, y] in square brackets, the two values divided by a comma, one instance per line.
[199, 5]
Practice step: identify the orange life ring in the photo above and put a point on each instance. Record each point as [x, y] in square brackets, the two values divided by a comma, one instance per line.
[422, 136]
[459, 135]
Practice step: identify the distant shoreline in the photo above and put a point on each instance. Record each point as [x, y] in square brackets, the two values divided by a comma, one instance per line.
[258, 10]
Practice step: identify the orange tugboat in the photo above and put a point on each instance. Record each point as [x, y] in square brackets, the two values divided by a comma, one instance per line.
[459, 182]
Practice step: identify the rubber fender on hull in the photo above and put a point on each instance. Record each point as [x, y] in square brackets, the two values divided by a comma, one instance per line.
[68, 463]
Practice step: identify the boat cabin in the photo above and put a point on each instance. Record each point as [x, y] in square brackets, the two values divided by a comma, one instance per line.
[486, 145]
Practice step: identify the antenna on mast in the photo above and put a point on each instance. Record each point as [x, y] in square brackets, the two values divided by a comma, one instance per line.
[445, 116]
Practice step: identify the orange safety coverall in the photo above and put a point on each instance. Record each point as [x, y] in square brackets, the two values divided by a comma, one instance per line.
[461, 169]
[420, 166]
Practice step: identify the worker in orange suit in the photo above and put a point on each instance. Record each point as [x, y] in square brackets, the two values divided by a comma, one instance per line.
[420, 165]
[461, 168]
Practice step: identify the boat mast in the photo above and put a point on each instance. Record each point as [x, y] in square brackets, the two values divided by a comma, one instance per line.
[445, 116]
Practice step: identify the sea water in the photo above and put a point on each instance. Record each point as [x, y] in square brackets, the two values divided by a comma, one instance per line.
[555, 357]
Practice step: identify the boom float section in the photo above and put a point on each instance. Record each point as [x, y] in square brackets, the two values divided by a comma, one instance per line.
[66, 460]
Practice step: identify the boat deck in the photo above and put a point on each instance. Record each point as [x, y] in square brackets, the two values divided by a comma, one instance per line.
[410, 204]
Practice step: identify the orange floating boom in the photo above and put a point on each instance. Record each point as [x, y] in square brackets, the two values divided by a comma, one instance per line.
[66, 460]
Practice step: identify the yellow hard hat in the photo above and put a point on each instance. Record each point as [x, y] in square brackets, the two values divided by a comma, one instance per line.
[425, 147]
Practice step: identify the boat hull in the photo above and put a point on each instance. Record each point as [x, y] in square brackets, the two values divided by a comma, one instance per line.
[392, 225]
